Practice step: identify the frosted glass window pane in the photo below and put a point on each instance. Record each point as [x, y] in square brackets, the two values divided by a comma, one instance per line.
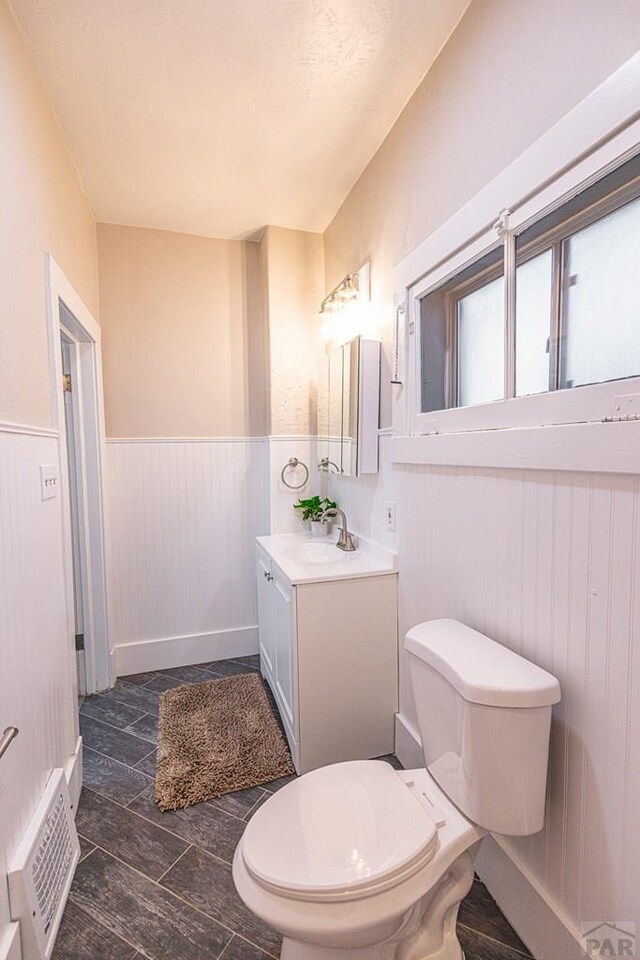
[601, 321]
[481, 345]
[533, 324]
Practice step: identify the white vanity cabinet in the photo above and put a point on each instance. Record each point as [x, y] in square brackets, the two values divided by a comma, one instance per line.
[276, 631]
[329, 652]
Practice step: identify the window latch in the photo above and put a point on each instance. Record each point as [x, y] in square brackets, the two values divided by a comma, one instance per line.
[502, 226]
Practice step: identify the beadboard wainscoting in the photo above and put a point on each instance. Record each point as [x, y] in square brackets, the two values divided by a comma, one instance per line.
[282, 517]
[363, 499]
[181, 526]
[37, 657]
[547, 563]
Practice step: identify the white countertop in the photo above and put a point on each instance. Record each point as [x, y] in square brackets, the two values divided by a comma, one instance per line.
[302, 558]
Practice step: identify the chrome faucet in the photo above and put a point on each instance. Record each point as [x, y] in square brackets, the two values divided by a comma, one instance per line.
[345, 540]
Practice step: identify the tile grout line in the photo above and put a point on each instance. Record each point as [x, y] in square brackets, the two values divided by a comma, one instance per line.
[153, 823]
[121, 762]
[189, 846]
[491, 939]
[121, 729]
[176, 896]
[99, 923]
[257, 803]
[146, 819]
[106, 700]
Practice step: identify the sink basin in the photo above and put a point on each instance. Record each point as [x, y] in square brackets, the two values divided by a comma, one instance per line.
[310, 552]
[305, 560]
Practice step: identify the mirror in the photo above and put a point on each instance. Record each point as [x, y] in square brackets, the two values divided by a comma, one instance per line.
[349, 408]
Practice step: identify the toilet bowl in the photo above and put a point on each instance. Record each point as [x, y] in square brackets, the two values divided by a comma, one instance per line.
[358, 861]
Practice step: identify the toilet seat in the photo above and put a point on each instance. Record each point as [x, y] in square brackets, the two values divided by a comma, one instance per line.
[339, 833]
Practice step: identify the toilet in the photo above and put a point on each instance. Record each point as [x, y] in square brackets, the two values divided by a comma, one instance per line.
[358, 861]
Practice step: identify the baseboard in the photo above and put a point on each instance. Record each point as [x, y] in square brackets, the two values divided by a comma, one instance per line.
[10, 942]
[537, 919]
[408, 746]
[180, 651]
[73, 775]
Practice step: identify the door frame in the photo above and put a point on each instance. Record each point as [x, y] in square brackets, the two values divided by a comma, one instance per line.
[83, 330]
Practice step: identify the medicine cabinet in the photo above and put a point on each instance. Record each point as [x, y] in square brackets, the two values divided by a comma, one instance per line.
[349, 404]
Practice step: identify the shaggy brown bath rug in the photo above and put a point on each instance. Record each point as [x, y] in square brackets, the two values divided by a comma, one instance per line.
[216, 737]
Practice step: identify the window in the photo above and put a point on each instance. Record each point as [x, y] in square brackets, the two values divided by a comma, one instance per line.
[566, 314]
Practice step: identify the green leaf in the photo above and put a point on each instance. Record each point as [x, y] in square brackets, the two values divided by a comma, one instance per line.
[313, 507]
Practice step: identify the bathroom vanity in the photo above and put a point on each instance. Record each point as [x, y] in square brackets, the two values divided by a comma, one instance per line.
[329, 645]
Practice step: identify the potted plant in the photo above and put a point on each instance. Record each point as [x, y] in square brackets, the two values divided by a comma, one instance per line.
[312, 510]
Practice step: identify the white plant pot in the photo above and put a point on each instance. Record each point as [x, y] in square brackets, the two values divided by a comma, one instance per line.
[319, 529]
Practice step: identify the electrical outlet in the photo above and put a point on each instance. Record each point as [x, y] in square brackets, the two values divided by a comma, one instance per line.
[390, 516]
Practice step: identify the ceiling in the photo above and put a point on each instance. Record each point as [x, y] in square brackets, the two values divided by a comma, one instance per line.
[215, 117]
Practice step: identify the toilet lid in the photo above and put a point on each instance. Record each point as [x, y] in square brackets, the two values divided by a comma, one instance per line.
[339, 833]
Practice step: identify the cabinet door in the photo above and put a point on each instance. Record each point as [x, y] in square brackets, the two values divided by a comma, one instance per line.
[265, 616]
[285, 649]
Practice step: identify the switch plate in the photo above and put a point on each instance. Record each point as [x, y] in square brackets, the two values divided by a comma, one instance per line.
[48, 481]
[390, 516]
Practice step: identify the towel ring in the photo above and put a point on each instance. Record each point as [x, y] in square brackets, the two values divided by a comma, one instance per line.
[294, 462]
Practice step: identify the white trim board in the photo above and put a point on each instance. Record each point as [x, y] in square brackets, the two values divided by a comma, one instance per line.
[25, 429]
[575, 447]
[73, 775]
[186, 439]
[408, 745]
[279, 438]
[166, 652]
[85, 334]
[10, 943]
[537, 919]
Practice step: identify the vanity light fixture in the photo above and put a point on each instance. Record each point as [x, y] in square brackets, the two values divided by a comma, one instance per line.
[346, 310]
[345, 291]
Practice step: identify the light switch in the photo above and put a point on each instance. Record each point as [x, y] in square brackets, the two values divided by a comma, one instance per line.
[390, 516]
[48, 481]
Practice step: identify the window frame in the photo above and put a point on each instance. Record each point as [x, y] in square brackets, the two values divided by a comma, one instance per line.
[584, 403]
[553, 240]
[597, 135]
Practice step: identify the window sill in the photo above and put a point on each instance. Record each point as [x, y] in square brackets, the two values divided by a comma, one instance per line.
[581, 447]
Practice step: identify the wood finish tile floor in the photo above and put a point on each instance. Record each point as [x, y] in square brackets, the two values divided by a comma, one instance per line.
[158, 885]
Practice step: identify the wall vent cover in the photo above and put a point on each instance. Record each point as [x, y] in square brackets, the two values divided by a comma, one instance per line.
[41, 872]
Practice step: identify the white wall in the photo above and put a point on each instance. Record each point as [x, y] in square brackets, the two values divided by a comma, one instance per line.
[37, 658]
[43, 209]
[549, 564]
[182, 518]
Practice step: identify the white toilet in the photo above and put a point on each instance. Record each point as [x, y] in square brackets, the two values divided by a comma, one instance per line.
[357, 861]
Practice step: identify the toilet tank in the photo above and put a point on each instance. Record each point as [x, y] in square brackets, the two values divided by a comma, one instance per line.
[484, 715]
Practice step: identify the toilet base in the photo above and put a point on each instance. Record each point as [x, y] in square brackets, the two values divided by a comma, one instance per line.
[426, 932]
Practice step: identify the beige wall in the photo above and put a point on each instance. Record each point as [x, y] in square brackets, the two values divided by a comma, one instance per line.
[209, 338]
[509, 71]
[41, 209]
[293, 265]
[182, 335]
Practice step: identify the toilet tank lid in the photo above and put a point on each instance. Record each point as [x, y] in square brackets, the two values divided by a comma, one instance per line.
[480, 669]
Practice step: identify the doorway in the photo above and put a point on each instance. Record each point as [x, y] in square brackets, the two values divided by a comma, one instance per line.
[76, 402]
[72, 414]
